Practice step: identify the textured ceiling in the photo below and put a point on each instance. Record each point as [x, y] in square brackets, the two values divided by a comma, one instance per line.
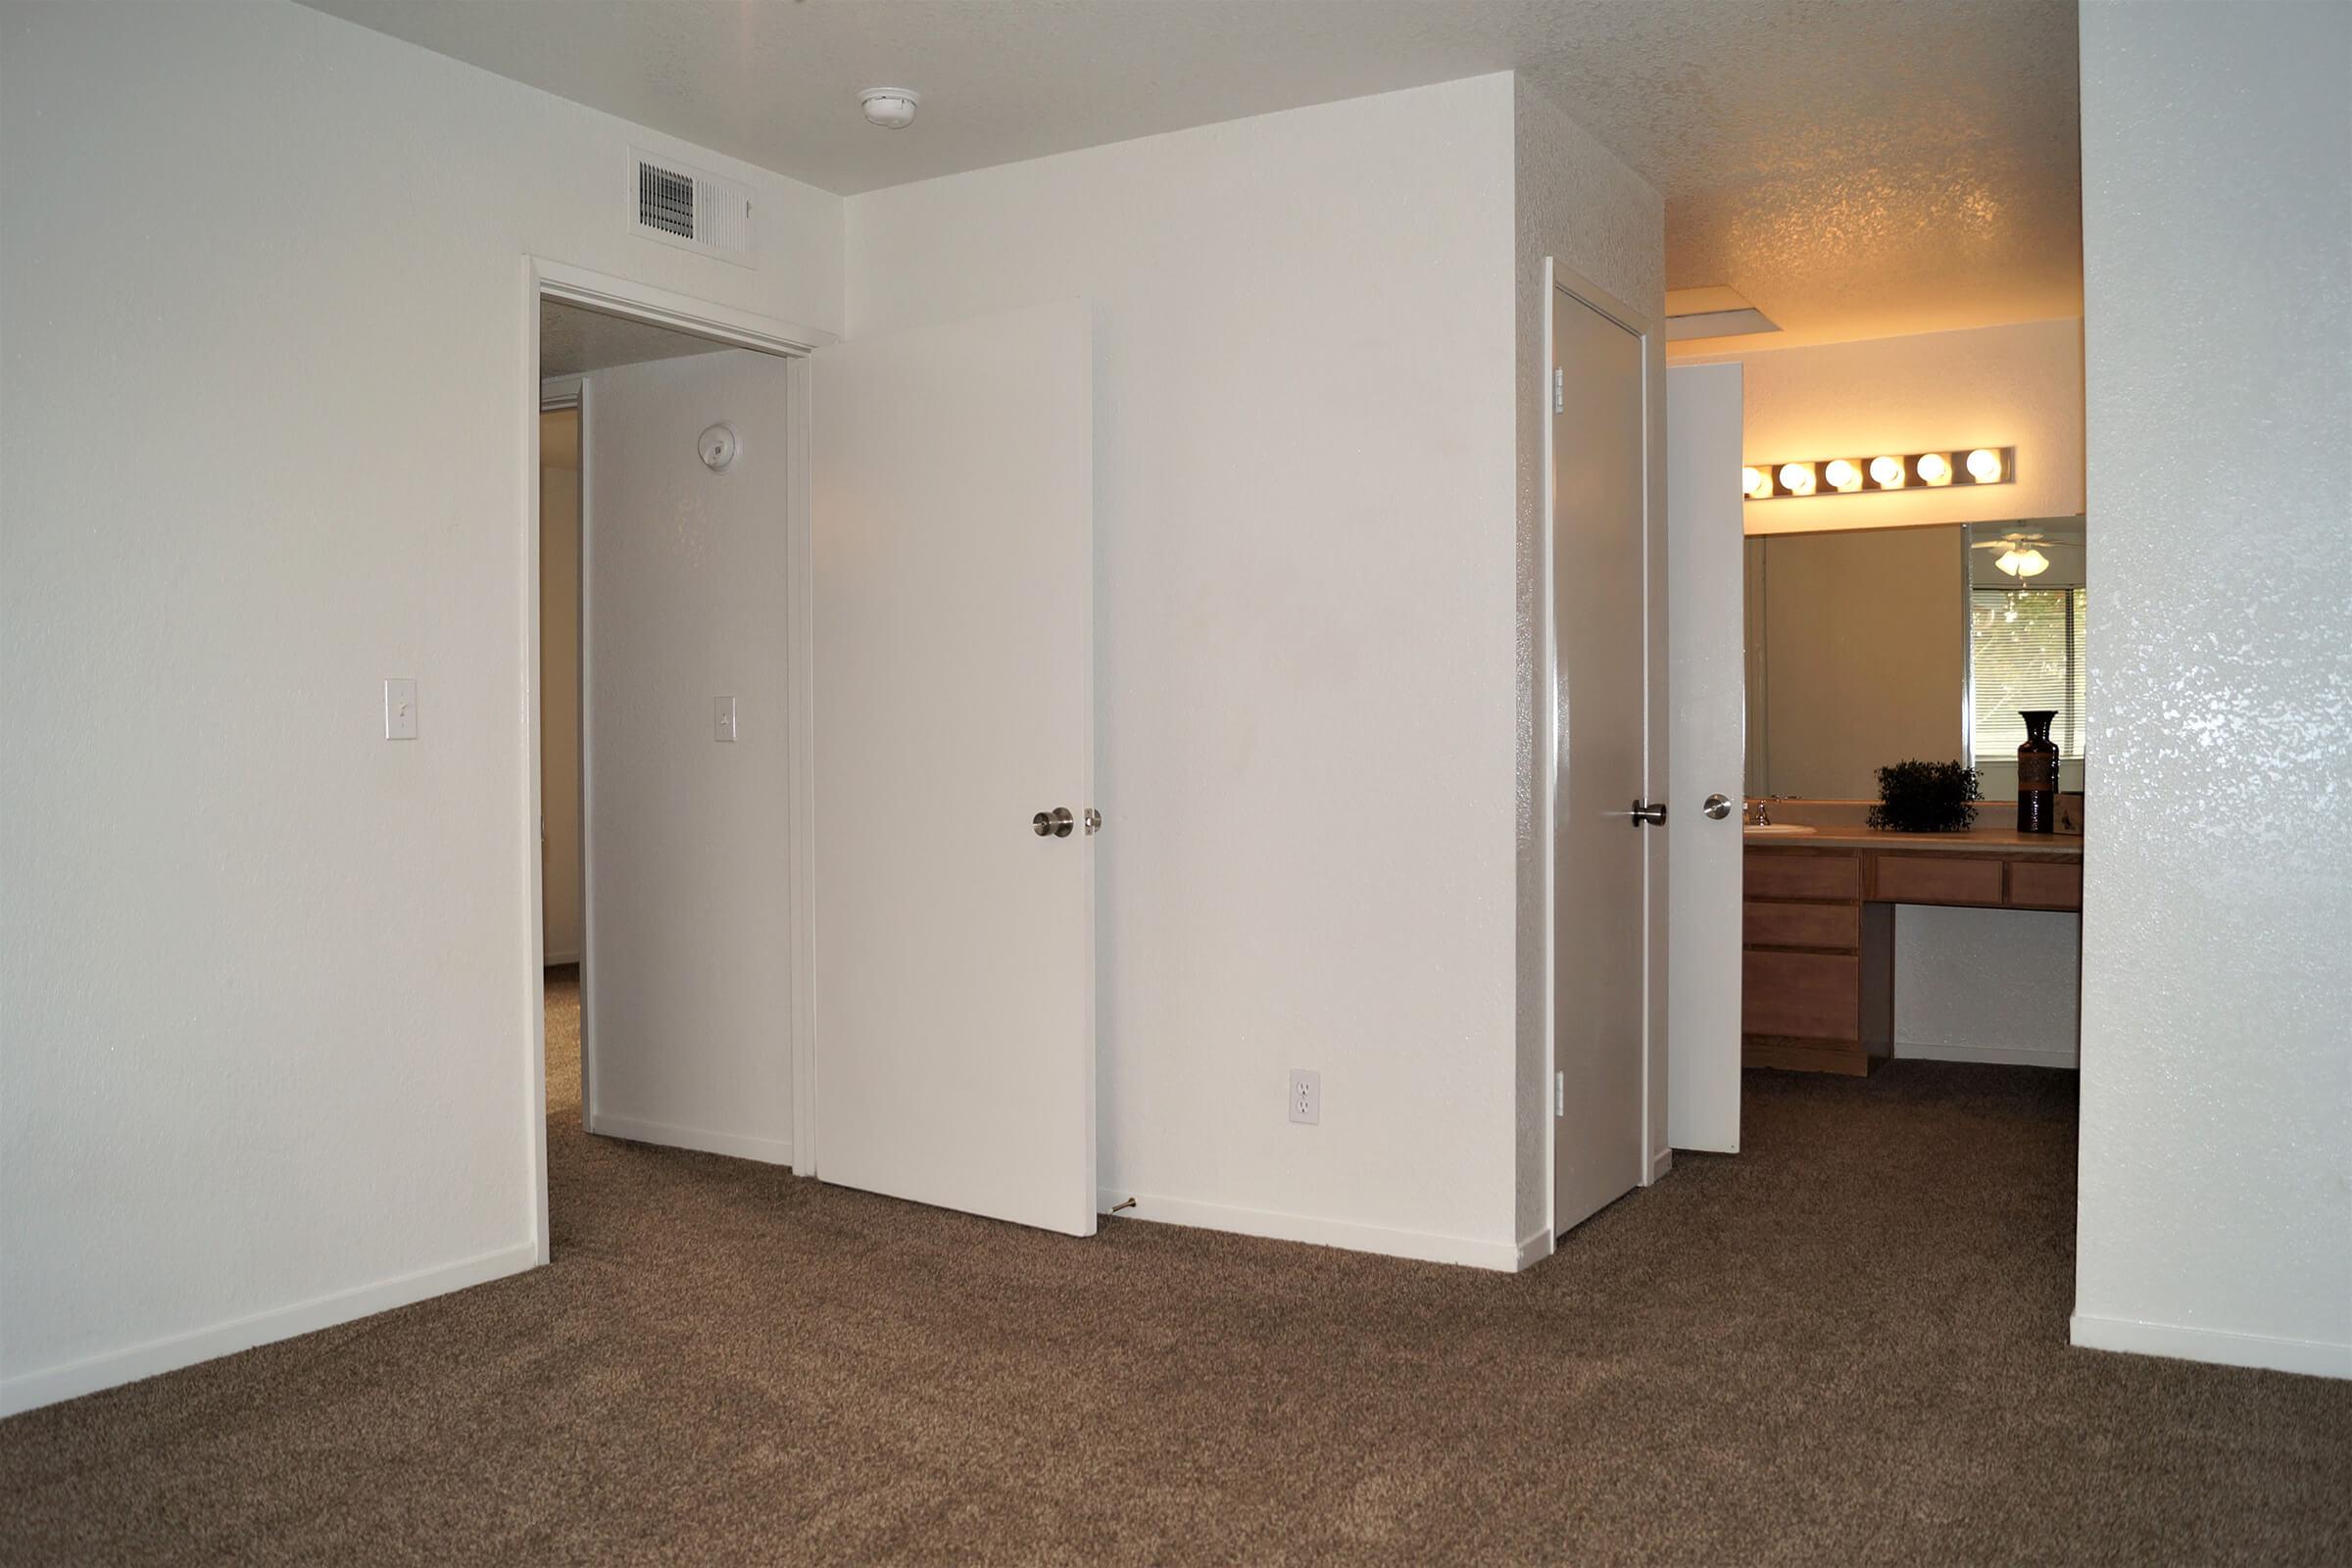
[573, 341]
[1855, 167]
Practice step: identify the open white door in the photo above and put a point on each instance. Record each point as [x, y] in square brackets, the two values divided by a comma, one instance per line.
[1706, 664]
[951, 509]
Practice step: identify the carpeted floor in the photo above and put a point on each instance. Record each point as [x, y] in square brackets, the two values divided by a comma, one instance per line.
[1846, 1345]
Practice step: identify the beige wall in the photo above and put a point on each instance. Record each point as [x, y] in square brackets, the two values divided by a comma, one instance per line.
[1864, 658]
[2019, 386]
[560, 681]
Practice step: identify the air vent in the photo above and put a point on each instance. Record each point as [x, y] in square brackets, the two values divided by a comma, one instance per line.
[679, 205]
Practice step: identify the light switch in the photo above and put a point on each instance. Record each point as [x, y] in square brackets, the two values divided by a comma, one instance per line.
[400, 709]
[726, 718]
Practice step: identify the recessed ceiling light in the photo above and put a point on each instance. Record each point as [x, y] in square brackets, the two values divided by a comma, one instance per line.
[891, 107]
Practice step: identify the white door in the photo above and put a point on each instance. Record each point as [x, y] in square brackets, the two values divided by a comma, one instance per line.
[952, 516]
[1706, 679]
[1600, 909]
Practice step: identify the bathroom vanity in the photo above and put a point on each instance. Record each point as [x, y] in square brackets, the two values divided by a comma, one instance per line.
[1818, 959]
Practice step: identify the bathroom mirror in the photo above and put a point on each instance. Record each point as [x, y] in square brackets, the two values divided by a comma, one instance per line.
[1872, 646]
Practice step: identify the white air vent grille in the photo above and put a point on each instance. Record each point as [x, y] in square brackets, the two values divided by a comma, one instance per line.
[682, 206]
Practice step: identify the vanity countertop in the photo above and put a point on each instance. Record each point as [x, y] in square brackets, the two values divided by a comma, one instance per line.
[1978, 840]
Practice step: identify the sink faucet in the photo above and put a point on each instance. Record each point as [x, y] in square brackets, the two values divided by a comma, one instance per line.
[1761, 810]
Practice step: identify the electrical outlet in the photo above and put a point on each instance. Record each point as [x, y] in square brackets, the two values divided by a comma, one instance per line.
[1306, 1097]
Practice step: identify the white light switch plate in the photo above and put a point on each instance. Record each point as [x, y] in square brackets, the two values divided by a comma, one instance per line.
[400, 708]
[726, 718]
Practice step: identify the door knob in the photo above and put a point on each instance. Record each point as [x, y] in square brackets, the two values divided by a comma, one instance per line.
[1053, 824]
[1718, 807]
[1653, 815]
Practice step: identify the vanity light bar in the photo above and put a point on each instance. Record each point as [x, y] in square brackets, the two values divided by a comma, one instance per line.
[1856, 476]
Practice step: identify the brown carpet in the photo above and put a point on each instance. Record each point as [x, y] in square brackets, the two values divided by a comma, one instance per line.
[1846, 1345]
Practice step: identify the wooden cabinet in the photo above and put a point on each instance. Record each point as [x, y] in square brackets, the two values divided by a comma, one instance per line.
[1817, 977]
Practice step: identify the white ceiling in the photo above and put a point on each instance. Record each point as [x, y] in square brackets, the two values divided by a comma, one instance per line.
[573, 341]
[1854, 168]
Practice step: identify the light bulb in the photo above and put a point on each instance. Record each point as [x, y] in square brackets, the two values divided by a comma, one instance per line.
[2031, 564]
[2008, 561]
[1798, 478]
[1984, 465]
[1842, 475]
[1886, 473]
[1755, 483]
[1935, 468]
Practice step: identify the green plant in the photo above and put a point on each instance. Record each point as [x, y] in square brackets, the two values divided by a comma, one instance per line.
[1925, 797]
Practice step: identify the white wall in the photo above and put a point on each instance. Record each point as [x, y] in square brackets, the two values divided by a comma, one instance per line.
[1987, 985]
[1577, 203]
[2216, 1196]
[2018, 386]
[687, 994]
[257, 455]
[561, 908]
[1304, 622]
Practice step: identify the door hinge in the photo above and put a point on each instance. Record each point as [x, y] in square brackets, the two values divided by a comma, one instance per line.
[1559, 1094]
[1559, 389]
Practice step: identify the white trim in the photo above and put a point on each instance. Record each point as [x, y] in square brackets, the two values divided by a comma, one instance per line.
[560, 391]
[1535, 1246]
[1660, 1165]
[771, 1150]
[534, 804]
[800, 761]
[550, 960]
[1419, 1245]
[2319, 1358]
[29, 1389]
[2006, 1056]
[640, 302]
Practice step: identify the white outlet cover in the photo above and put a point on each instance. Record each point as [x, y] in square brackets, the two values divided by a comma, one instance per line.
[1306, 1097]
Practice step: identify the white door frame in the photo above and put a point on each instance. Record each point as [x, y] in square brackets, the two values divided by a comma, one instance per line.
[726, 323]
[1658, 1158]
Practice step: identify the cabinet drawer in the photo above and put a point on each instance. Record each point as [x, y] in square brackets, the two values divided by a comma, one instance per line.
[1802, 925]
[1813, 996]
[1937, 879]
[2045, 885]
[1780, 874]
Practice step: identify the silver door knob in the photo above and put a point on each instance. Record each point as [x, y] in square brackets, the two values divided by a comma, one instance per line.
[1053, 824]
[1718, 807]
[1654, 815]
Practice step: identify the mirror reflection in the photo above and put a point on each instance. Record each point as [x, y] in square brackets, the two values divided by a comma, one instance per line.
[1872, 647]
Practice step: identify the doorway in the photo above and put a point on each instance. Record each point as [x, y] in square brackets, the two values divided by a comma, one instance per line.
[941, 514]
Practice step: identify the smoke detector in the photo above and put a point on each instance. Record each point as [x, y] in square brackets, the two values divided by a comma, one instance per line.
[891, 107]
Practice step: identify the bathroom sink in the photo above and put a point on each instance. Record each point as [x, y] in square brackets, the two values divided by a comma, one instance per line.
[1777, 830]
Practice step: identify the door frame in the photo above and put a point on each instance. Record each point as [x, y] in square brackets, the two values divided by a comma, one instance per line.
[545, 279]
[1658, 1157]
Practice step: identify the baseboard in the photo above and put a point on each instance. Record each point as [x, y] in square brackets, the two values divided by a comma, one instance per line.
[31, 1390]
[768, 1150]
[550, 961]
[2314, 1357]
[1999, 1056]
[1537, 1245]
[1660, 1165]
[1420, 1246]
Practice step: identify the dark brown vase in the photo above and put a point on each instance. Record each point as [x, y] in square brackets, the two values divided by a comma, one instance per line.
[2037, 775]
